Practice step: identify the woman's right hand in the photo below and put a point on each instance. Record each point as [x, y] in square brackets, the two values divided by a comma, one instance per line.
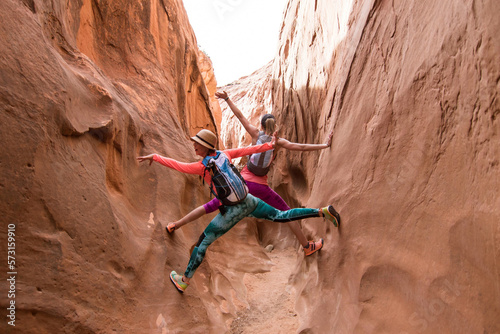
[146, 157]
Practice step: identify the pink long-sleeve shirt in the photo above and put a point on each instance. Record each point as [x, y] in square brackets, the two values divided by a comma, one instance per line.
[198, 168]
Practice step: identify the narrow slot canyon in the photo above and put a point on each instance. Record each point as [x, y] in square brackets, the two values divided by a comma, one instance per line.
[410, 91]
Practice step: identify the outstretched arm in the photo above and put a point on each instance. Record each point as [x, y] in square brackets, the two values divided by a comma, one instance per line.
[209, 207]
[304, 147]
[183, 167]
[242, 151]
[193, 215]
[252, 130]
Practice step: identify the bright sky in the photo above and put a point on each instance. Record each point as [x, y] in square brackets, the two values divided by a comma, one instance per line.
[239, 36]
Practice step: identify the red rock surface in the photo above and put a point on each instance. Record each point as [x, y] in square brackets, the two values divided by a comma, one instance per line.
[207, 73]
[409, 88]
[86, 87]
[411, 92]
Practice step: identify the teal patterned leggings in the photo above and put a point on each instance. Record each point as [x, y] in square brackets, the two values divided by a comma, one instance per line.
[250, 207]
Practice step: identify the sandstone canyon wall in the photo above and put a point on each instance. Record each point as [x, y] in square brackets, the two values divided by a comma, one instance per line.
[411, 91]
[85, 88]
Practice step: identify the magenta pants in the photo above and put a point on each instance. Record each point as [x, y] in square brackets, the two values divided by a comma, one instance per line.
[264, 192]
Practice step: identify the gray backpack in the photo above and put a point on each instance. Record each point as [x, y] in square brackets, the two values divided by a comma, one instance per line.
[259, 163]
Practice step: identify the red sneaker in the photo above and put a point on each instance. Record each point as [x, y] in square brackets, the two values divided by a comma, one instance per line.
[313, 247]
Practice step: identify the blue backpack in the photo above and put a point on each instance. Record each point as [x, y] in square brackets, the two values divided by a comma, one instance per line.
[227, 183]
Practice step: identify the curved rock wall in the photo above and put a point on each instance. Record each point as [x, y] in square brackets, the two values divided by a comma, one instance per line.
[86, 87]
[410, 90]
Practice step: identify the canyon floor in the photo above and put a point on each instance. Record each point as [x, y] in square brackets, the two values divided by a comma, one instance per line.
[270, 298]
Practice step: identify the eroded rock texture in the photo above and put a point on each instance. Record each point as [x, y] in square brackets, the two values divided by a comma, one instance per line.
[411, 92]
[409, 88]
[86, 87]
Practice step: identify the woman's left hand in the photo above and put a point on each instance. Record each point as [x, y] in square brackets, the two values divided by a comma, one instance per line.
[222, 95]
[329, 140]
[275, 138]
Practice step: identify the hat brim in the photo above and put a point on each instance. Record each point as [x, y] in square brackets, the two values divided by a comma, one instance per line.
[202, 142]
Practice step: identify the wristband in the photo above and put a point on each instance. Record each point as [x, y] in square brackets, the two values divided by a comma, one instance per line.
[227, 98]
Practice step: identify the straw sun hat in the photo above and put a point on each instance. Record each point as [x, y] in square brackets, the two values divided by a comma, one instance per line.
[206, 138]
